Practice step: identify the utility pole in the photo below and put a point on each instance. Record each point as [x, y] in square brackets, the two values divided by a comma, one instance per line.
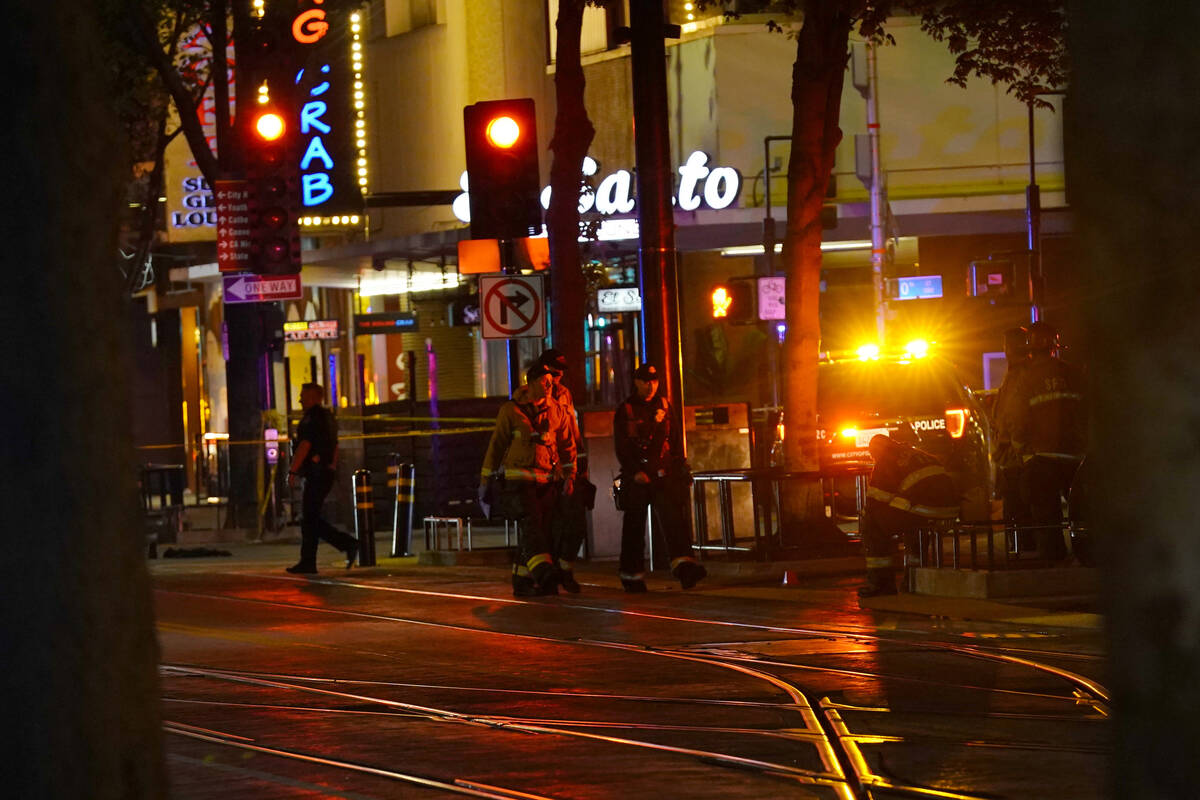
[878, 200]
[657, 267]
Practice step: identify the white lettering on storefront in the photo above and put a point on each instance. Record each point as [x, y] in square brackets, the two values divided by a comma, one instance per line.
[715, 188]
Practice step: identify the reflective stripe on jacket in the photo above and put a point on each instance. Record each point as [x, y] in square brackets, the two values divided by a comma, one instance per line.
[911, 480]
[531, 441]
[1047, 411]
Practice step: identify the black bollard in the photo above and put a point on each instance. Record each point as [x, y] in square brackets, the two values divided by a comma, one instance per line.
[364, 517]
[403, 478]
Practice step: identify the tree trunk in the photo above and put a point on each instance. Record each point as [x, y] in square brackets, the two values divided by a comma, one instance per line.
[822, 49]
[573, 134]
[1133, 168]
[80, 686]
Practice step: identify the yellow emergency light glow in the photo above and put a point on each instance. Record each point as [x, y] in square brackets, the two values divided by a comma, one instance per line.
[721, 301]
[956, 422]
[868, 352]
[269, 126]
[917, 348]
[849, 433]
[503, 132]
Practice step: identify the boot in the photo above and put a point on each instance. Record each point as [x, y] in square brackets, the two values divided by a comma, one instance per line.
[545, 579]
[566, 579]
[523, 586]
[690, 573]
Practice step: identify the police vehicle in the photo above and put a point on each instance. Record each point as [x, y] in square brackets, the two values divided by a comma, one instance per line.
[868, 392]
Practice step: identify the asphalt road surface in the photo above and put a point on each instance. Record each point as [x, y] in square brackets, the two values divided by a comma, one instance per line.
[407, 681]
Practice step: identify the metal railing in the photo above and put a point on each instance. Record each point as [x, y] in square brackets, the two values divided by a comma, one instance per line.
[766, 486]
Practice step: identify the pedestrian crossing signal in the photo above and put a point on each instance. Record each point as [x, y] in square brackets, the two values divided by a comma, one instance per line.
[734, 301]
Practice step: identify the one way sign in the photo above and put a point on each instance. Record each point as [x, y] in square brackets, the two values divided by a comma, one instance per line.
[513, 306]
[261, 288]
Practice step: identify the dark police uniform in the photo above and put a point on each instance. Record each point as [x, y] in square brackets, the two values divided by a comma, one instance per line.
[909, 489]
[319, 429]
[645, 442]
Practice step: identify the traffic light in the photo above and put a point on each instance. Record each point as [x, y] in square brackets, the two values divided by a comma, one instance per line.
[734, 301]
[502, 169]
[270, 138]
[273, 177]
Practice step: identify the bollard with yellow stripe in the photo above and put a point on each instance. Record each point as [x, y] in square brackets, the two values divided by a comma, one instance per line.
[364, 517]
[402, 479]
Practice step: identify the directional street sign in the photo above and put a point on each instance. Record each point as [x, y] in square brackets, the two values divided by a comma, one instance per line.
[261, 288]
[513, 306]
[233, 225]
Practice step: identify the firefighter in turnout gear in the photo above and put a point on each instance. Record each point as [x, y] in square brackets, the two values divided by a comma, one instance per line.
[531, 456]
[1004, 455]
[1049, 431]
[569, 524]
[653, 474]
[909, 489]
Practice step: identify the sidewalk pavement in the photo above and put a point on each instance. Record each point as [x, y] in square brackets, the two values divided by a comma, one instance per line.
[809, 581]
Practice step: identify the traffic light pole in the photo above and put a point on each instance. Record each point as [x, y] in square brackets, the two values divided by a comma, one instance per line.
[657, 267]
[508, 266]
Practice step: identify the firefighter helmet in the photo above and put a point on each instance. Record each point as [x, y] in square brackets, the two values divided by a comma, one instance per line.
[1043, 337]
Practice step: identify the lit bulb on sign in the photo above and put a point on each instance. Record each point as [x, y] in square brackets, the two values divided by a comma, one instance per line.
[503, 132]
[269, 126]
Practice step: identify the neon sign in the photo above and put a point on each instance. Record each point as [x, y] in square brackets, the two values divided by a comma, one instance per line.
[330, 98]
[699, 185]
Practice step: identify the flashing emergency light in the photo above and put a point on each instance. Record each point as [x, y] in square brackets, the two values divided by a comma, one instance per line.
[503, 132]
[956, 422]
[868, 352]
[269, 126]
[721, 300]
[917, 348]
[850, 433]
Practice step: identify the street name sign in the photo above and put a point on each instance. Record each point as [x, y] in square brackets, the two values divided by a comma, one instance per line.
[514, 306]
[621, 298]
[233, 225]
[261, 288]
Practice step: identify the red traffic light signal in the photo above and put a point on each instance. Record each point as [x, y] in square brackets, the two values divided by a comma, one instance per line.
[502, 169]
[273, 174]
[734, 301]
[269, 126]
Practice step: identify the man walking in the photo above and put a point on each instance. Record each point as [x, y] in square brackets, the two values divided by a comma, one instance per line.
[315, 460]
[653, 474]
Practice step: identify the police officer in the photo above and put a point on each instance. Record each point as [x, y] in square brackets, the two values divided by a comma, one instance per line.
[532, 452]
[1004, 456]
[654, 474]
[1049, 431]
[569, 524]
[315, 460]
[909, 489]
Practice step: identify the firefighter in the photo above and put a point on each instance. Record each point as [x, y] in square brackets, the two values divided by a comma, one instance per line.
[654, 474]
[1004, 456]
[909, 489]
[569, 524]
[1049, 431]
[532, 457]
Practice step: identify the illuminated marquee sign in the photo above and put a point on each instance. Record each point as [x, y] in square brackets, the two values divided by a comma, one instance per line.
[331, 99]
[699, 186]
[307, 330]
